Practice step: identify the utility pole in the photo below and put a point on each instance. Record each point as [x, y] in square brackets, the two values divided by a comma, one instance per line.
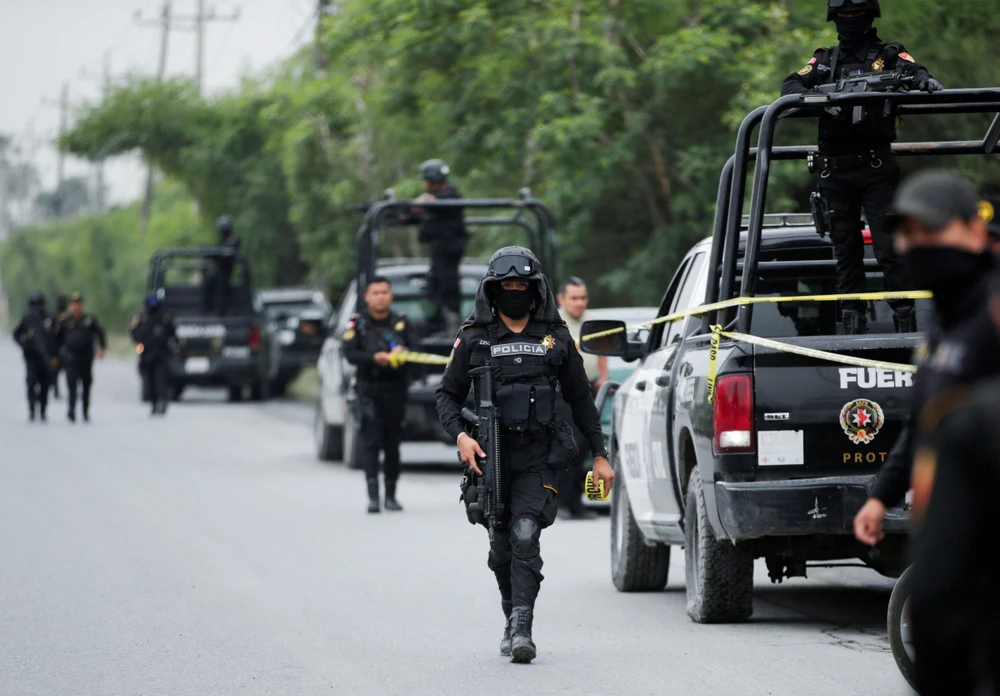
[164, 26]
[319, 58]
[199, 20]
[63, 105]
[105, 80]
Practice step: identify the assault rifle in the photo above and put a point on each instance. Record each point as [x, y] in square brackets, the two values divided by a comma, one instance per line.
[488, 503]
[895, 81]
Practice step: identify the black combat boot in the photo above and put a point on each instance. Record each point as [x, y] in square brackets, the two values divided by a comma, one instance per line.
[72, 416]
[373, 505]
[855, 322]
[522, 648]
[31, 414]
[390, 497]
[905, 319]
[505, 643]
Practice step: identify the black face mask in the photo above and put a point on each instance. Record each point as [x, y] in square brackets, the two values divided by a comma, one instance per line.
[515, 303]
[853, 29]
[946, 272]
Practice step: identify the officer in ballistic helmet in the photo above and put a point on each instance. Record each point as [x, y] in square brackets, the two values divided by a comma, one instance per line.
[444, 229]
[516, 330]
[224, 263]
[857, 169]
[155, 340]
[33, 333]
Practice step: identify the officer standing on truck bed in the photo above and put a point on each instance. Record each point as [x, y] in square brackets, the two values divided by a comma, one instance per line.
[155, 340]
[34, 333]
[370, 341]
[943, 239]
[75, 338]
[444, 229]
[516, 330]
[857, 169]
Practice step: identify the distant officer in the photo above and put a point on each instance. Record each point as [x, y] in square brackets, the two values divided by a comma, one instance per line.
[224, 263]
[155, 337]
[369, 342]
[62, 304]
[78, 331]
[515, 309]
[444, 229]
[943, 239]
[857, 169]
[573, 302]
[33, 333]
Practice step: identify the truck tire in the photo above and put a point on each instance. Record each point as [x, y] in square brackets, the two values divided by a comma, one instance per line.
[329, 438]
[898, 619]
[350, 440]
[635, 565]
[719, 573]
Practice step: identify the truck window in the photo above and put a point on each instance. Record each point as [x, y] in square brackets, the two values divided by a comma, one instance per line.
[687, 297]
[659, 330]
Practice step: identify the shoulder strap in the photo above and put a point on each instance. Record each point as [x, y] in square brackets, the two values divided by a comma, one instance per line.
[833, 63]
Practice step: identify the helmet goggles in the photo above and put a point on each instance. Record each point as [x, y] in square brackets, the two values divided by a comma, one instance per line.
[513, 265]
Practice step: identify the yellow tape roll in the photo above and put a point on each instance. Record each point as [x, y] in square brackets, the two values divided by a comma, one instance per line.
[595, 493]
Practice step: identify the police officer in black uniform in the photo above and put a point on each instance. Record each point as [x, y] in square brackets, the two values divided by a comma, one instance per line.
[62, 303]
[155, 339]
[77, 333]
[224, 265]
[371, 342]
[516, 311]
[444, 229]
[856, 166]
[943, 238]
[33, 333]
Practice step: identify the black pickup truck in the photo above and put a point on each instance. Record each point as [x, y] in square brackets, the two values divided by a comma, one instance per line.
[779, 462]
[223, 333]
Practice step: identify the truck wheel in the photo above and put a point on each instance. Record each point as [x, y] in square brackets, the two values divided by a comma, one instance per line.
[351, 432]
[900, 634]
[329, 438]
[719, 573]
[635, 565]
[235, 393]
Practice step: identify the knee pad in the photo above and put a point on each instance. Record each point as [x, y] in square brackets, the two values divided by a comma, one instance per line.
[524, 536]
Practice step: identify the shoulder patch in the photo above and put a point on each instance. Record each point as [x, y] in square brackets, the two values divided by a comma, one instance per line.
[458, 342]
[821, 49]
[350, 333]
[806, 70]
[399, 325]
[135, 322]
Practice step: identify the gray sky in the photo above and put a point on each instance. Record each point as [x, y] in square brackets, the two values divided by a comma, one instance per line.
[46, 42]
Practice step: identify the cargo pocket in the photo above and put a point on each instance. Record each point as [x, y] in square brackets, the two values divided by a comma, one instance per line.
[550, 508]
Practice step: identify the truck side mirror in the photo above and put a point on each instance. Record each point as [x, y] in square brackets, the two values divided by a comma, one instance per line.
[604, 337]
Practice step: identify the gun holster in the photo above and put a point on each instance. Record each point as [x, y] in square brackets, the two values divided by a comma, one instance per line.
[820, 208]
[563, 447]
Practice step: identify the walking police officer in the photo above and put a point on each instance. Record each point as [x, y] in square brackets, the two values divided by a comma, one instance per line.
[33, 333]
[444, 229]
[154, 335]
[75, 338]
[855, 161]
[516, 330]
[371, 341]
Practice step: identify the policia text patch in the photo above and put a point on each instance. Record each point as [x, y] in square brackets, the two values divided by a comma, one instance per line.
[505, 349]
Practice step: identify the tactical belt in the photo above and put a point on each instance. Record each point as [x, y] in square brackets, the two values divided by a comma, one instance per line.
[819, 162]
[514, 439]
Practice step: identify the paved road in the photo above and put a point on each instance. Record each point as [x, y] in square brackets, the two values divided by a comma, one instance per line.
[210, 554]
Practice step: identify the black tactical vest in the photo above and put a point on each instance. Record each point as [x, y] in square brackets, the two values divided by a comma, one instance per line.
[525, 374]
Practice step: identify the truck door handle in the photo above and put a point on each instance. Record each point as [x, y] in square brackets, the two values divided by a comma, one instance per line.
[663, 379]
[641, 386]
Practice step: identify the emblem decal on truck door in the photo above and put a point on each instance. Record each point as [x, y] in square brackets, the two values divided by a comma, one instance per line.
[861, 419]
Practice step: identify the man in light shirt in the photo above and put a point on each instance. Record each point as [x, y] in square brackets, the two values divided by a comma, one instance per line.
[573, 301]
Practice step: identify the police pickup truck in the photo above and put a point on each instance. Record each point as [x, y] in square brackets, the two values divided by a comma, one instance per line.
[222, 330]
[781, 459]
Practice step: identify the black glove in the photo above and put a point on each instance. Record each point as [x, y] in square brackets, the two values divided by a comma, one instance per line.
[929, 84]
[834, 111]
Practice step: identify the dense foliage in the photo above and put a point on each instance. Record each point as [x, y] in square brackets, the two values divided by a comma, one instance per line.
[618, 113]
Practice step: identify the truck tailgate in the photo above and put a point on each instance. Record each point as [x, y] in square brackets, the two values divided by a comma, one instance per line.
[214, 337]
[819, 418]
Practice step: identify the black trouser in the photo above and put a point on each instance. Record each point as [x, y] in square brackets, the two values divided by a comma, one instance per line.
[443, 285]
[154, 380]
[571, 481]
[530, 505]
[383, 411]
[847, 193]
[79, 368]
[38, 374]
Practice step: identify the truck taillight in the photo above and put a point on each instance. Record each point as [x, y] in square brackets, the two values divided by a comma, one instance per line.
[733, 423]
[866, 234]
[254, 339]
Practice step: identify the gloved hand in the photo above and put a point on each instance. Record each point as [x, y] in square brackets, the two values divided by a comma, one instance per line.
[834, 111]
[929, 84]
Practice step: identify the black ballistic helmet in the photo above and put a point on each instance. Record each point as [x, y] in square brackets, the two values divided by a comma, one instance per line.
[514, 263]
[224, 225]
[36, 300]
[835, 6]
[434, 171]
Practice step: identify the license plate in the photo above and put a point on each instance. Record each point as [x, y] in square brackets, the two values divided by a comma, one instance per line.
[236, 352]
[196, 366]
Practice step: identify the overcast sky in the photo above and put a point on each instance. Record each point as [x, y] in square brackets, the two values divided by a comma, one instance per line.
[44, 43]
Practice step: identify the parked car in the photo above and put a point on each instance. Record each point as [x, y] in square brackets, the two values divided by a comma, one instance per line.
[298, 317]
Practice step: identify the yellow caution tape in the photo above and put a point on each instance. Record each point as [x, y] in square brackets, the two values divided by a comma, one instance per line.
[717, 333]
[409, 356]
[596, 493]
[742, 301]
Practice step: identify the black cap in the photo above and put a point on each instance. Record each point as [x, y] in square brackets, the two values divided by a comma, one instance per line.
[76, 297]
[934, 199]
